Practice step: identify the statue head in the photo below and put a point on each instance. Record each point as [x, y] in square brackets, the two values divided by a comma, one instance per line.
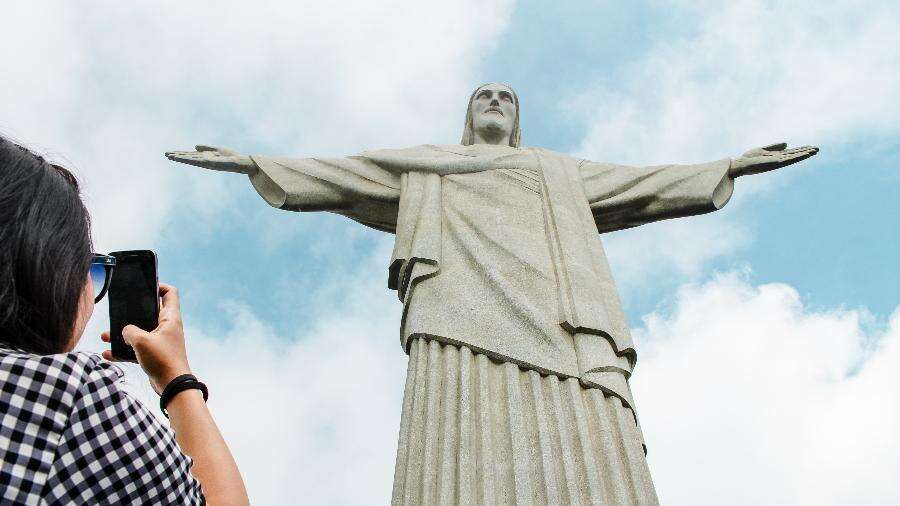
[492, 116]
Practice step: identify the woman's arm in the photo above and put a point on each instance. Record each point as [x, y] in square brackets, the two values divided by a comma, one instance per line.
[199, 437]
[162, 355]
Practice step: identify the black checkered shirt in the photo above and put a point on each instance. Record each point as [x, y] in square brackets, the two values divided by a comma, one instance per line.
[70, 434]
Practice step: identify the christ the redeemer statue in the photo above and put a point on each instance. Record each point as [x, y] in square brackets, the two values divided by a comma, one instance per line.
[519, 354]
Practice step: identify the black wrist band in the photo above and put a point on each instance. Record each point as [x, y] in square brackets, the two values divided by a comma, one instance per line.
[176, 380]
[178, 385]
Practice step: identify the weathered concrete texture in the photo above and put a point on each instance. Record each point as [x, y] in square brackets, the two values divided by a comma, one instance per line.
[475, 431]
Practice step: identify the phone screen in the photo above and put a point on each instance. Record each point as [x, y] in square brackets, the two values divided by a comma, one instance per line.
[133, 298]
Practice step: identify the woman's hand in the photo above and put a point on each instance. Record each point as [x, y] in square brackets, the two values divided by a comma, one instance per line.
[161, 353]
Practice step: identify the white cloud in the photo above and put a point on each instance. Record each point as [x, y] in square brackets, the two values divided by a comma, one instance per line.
[671, 250]
[748, 397]
[110, 87]
[315, 418]
[754, 72]
[748, 74]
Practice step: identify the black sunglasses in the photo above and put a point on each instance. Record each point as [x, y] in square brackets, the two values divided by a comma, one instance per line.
[101, 273]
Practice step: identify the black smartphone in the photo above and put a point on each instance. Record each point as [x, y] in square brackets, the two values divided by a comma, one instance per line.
[133, 298]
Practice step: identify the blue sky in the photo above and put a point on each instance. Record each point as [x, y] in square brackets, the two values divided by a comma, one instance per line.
[816, 230]
[770, 322]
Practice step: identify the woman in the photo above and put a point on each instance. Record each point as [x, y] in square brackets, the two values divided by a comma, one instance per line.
[69, 433]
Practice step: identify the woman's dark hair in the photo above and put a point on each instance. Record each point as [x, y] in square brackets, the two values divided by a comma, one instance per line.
[45, 251]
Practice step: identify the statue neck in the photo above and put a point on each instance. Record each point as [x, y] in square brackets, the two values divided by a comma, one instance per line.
[499, 138]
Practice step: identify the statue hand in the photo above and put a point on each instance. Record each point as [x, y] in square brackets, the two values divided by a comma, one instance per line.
[211, 157]
[764, 159]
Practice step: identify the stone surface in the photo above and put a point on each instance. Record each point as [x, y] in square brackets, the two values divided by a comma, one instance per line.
[511, 317]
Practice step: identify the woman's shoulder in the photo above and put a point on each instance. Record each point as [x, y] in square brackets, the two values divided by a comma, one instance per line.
[50, 384]
[73, 368]
[73, 421]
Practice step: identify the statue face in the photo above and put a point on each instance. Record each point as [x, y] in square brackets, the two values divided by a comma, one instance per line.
[494, 113]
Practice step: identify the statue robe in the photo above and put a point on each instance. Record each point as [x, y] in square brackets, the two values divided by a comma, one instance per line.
[497, 248]
[516, 336]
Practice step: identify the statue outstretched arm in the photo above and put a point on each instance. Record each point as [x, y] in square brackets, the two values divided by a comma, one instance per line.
[353, 186]
[622, 197]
